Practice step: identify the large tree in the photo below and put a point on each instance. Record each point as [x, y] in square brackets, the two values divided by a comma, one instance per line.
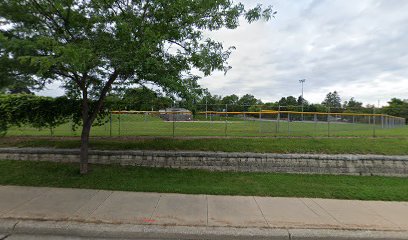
[288, 101]
[231, 103]
[353, 105]
[247, 101]
[144, 99]
[332, 100]
[397, 107]
[94, 45]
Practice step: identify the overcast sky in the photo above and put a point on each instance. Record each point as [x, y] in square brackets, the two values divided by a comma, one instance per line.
[359, 48]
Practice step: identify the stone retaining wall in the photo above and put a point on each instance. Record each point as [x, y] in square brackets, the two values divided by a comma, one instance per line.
[222, 161]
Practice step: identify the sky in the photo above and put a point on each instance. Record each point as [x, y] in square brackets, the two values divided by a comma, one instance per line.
[357, 48]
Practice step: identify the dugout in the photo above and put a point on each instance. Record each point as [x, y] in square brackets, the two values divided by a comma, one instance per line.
[176, 114]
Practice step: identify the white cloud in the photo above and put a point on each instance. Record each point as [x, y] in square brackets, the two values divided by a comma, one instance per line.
[54, 90]
[355, 47]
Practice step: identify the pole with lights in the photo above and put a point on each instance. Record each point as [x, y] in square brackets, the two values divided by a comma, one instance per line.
[302, 81]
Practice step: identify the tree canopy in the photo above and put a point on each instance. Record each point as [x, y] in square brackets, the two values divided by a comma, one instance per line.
[93, 46]
[352, 104]
[397, 107]
[288, 101]
[332, 100]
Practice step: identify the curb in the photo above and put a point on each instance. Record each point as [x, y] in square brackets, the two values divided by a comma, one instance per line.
[129, 231]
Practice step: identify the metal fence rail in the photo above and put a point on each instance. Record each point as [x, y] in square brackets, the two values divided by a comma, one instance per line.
[262, 123]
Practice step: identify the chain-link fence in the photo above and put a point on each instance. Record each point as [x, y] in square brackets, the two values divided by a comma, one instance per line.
[251, 121]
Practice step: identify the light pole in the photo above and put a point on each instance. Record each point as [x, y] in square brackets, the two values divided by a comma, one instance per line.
[302, 81]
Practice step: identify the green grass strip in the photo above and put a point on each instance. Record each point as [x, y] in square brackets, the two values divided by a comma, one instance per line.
[385, 146]
[112, 177]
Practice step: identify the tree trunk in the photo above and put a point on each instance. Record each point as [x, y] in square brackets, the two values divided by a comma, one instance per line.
[88, 117]
[86, 128]
[84, 148]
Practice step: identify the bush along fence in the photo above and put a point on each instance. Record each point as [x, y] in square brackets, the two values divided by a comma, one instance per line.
[44, 114]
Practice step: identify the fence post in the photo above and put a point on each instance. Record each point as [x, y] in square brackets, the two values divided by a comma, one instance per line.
[226, 119]
[288, 124]
[174, 124]
[373, 122]
[260, 120]
[278, 119]
[119, 123]
[206, 107]
[72, 126]
[110, 124]
[328, 121]
[315, 123]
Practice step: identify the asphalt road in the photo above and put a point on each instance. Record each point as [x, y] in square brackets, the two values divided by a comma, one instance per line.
[316, 235]
[56, 237]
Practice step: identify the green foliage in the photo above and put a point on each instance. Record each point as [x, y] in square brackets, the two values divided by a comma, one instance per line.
[210, 102]
[397, 107]
[94, 46]
[360, 145]
[301, 101]
[141, 99]
[230, 99]
[15, 76]
[288, 101]
[144, 179]
[42, 112]
[247, 101]
[36, 111]
[316, 108]
[352, 105]
[332, 100]
[231, 103]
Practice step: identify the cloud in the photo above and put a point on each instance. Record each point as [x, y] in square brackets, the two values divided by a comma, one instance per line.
[355, 47]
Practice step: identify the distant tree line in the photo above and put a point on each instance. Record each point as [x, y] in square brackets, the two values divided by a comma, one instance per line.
[331, 103]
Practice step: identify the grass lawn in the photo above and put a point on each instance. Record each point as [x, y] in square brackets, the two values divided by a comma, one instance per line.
[385, 146]
[144, 125]
[203, 182]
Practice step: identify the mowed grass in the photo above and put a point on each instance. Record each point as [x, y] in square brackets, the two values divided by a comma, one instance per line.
[384, 146]
[145, 125]
[112, 177]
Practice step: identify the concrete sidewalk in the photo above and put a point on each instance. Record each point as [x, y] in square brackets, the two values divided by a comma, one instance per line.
[162, 209]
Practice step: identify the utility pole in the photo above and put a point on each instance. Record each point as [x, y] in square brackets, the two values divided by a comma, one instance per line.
[302, 81]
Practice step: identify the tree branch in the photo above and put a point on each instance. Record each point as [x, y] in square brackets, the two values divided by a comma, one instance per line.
[50, 18]
[101, 99]
[179, 44]
[64, 19]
